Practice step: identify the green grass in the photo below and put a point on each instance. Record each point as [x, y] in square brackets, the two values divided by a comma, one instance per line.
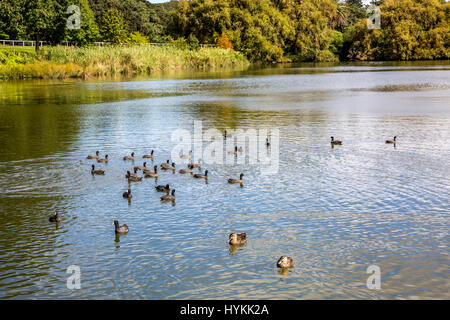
[17, 48]
[86, 62]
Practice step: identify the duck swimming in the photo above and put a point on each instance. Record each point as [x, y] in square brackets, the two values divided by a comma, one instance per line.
[129, 158]
[285, 262]
[188, 170]
[155, 168]
[168, 197]
[99, 171]
[55, 218]
[163, 188]
[128, 175]
[151, 173]
[148, 156]
[201, 176]
[103, 160]
[335, 142]
[195, 165]
[165, 164]
[236, 180]
[392, 141]
[169, 167]
[120, 230]
[143, 167]
[127, 194]
[238, 238]
[133, 178]
[97, 153]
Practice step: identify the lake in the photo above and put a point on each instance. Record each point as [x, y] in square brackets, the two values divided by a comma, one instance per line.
[335, 210]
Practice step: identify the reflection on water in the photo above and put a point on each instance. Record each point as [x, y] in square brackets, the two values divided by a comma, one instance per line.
[335, 211]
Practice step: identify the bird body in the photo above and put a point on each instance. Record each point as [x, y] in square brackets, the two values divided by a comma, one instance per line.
[335, 142]
[165, 165]
[148, 156]
[285, 262]
[127, 194]
[104, 160]
[129, 158]
[238, 238]
[155, 169]
[94, 157]
[143, 167]
[392, 141]
[133, 178]
[99, 171]
[188, 170]
[120, 229]
[168, 167]
[163, 188]
[236, 180]
[128, 175]
[201, 176]
[151, 173]
[168, 197]
[195, 165]
[54, 218]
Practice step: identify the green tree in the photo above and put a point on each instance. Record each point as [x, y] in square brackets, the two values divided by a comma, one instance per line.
[410, 30]
[255, 27]
[113, 27]
[11, 19]
[44, 20]
[137, 38]
[313, 36]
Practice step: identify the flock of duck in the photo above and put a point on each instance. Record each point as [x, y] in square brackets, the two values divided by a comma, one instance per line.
[235, 239]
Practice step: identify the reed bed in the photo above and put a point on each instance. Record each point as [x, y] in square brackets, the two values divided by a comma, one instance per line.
[61, 62]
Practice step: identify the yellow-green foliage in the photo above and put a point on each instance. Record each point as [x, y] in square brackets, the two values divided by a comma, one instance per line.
[410, 30]
[84, 62]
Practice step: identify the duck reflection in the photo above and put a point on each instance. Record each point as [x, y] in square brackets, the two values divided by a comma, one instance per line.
[233, 248]
[283, 271]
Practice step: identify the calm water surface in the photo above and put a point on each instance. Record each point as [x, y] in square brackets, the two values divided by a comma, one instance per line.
[335, 211]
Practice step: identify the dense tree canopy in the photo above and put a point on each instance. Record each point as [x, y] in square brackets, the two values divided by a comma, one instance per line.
[264, 30]
[411, 30]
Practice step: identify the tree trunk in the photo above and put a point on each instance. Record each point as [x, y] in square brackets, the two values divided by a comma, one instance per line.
[37, 43]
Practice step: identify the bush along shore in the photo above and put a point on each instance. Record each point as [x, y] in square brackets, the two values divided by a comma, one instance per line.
[62, 62]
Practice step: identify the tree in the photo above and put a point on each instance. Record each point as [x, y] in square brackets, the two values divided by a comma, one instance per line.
[255, 27]
[224, 42]
[44, 20]
[113, 27]
[411, 30]
[137, 37]
[151, 20]
[11, 19]
[313, 36]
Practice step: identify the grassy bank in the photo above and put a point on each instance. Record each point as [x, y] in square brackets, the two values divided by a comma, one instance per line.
[87, 62]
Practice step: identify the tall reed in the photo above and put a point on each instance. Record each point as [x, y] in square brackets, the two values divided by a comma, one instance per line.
[85, 62]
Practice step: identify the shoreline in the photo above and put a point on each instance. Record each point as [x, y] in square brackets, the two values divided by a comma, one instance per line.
[127, 62]
[61, 62]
